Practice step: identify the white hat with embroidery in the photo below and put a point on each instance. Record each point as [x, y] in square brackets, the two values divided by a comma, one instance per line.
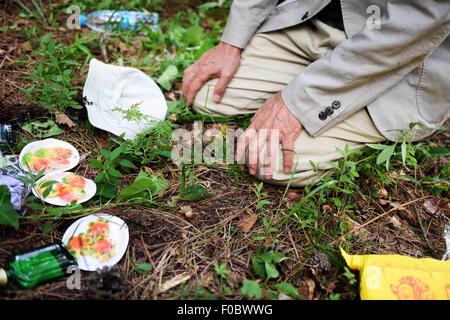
[122, 100]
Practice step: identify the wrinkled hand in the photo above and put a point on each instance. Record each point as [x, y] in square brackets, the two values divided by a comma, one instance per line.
[272, 115]
[220, 62]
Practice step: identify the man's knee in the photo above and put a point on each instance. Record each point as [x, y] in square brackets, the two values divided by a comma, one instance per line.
[237, 100]
[203, 103]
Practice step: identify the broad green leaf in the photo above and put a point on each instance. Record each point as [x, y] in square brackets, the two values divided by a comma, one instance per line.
[194, 193]
[193, 36]
[271, 270]
[145, 185]
[159, 183]
[168, 77]
[258, 267]
[101, 177]
[385, 155]
[106, 190]
[96, 164]
[105, 153]
[47, 227]
[36, 206]
[208, 6]
[439, 152]
[41, 129]
[116, 153]
[84, 49]
[127, 164]
[267, 256]
[404, 153]
[288, 289]
[277, 257]
[8, 215]
[251, 289]
[48, 187]
[114, 173]
[377, 146]
[145, 267]
[174, 106]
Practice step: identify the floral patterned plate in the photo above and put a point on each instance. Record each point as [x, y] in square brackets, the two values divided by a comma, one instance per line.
[64, 188]
[97, 241]
[50, 154]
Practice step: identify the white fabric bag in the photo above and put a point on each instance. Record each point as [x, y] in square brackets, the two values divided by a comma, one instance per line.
[109, 87]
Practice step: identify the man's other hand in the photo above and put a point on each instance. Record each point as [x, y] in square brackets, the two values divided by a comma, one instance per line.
[272, 115]
[220, 62]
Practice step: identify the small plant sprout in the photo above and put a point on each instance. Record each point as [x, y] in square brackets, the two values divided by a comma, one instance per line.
[134, 113]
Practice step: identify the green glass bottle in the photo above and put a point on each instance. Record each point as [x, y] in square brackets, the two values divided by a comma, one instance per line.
[31, 268]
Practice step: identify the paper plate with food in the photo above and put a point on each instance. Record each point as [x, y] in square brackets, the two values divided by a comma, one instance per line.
[64, 188]
[97, 241]
[52, 155]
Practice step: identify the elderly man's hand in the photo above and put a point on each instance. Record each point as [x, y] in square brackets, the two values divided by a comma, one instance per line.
[272, 115]
[220, 62]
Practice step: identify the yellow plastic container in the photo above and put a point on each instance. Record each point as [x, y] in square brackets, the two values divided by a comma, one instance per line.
[395, 277]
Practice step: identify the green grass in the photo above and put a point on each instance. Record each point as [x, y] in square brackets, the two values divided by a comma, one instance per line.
[52, 84]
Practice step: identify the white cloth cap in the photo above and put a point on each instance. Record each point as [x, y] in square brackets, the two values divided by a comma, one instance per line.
[108, 87]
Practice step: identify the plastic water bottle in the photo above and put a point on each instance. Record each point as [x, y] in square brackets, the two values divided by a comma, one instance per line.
[110, 20]
[6, 137]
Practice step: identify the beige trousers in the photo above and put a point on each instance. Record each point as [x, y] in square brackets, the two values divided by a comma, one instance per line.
[270, 62]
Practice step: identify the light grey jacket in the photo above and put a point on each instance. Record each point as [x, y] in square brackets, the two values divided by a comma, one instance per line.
[401, 71]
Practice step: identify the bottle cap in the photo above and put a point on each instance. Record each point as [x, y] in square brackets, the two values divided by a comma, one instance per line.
[3, 277]
[83, 20]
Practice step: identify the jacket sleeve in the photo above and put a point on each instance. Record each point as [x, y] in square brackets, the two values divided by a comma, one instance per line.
[244, 19]
[367, 64]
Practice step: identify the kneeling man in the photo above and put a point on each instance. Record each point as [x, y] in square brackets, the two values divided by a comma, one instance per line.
[324, 74]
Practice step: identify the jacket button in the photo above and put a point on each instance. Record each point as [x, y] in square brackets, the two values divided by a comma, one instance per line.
[336, 104]
[322, 115]
[329, 111]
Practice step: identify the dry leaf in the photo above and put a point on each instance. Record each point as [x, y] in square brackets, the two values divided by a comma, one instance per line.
[171, 96]
[447, 209]
[62, 118]
[26, 47]
[282, 296]
[326, 208]
[175, 281]
[356, 229]
[329, 287]
[291, 199]
[359, 201]
[206, 279]
[23, 22]
[430, 207]
[123, 47]
[234, 280]
[396, 222]
[405, 214]
[311, 285]
[402, 227]
[382, 192]
[248, 221]
[187, 210]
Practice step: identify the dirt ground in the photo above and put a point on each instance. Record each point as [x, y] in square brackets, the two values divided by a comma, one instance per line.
[403, 219]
